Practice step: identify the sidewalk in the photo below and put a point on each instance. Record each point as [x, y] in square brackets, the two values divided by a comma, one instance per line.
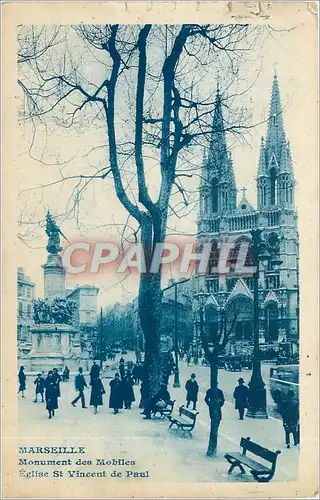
[167, 455]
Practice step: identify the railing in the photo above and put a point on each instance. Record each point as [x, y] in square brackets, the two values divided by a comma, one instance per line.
[273, 217]
[241, 222]
[245, 221]
[209, 225]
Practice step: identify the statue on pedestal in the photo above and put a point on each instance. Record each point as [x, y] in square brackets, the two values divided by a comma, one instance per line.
[53, 231]
[60, 311]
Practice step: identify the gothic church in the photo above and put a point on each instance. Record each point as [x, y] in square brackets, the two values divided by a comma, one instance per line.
[221, 217]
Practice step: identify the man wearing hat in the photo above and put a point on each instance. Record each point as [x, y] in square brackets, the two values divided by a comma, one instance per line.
[192, 389]
[241, 397]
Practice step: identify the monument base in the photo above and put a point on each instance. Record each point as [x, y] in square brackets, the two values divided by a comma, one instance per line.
[52, 347]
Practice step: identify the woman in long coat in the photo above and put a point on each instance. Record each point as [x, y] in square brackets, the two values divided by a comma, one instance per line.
[51, 394]
[116, 394]
[128, 392]
[97, 391]
[57, 380]
[22, 381]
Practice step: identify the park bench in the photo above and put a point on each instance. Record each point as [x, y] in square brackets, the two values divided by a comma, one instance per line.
[166, 411]
[261, 473]
[185, 421]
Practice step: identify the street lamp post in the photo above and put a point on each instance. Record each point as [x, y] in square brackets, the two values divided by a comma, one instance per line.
[257, 407]
[176, 382]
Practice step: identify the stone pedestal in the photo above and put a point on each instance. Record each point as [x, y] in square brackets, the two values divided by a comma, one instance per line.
[51, 346]
[54, 277]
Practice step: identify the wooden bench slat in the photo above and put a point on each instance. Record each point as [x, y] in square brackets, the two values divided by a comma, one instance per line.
[257, 466]
[261, 451]
[260, 472]
[186, 419]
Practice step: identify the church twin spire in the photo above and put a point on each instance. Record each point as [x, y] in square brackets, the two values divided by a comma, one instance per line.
[218, 185]
[275, 180]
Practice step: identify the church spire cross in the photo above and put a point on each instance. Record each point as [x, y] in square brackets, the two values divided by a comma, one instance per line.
[275, 134]
[243, 191]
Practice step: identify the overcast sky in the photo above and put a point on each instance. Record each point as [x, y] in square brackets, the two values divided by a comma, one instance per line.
[101, 207]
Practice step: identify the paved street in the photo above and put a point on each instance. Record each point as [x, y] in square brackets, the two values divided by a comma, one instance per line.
[150, 443]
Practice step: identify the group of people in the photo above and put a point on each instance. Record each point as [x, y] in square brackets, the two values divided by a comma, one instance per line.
[48, 388]
[121, 389]
[288, 408]
[122, 395]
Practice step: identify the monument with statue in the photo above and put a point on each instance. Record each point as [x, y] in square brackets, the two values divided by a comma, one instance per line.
[55, 341]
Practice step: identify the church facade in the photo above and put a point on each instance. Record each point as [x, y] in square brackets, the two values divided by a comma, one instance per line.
[222, 219]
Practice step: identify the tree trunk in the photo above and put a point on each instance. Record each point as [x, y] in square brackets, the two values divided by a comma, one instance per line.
[150, 297]
[215, 408]
[149, 313]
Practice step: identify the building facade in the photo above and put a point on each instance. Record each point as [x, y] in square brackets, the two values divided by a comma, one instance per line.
[86, 314]
[221, 219]
[25, 296]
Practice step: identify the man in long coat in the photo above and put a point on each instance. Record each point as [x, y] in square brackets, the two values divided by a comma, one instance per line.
[240, 395]
[210, 399]
[116, 394]
[290, 415]
[95, 371]
[97, 391]
[121, 368]
[192, 389]
[39, 383]
[128, 392]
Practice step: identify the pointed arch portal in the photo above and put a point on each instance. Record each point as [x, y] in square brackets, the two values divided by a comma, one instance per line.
[272, 322]
[244, 324]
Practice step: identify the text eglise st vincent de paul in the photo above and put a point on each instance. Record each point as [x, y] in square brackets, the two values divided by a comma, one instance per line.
[31, 468]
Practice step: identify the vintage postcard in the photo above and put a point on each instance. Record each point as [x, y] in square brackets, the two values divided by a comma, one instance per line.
[159, 243]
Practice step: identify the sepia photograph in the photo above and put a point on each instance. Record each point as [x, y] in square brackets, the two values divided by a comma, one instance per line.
[161, 238]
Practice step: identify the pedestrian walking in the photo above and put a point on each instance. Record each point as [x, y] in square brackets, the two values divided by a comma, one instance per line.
[51, 394]
[116, 394]
[214, 395]
[192, 389]
[95, 371]
[66, 374]
[240, 395]
[188, 359]
[289, 410]
[97, 391]
[22, 381]
[128, 392]
[142, 395]
[135, 374]
[57, 379]
[39, 383]
[121, 368]
[80, 383]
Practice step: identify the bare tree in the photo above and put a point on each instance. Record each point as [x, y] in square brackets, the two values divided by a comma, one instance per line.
[214, 341]
[143, 86]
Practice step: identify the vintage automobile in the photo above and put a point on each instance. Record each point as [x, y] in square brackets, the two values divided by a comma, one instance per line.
[233, 363]
[283, 378]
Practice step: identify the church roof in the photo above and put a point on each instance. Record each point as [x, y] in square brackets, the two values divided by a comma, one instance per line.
[245, 205]
[271, 297]
[211, 301]
[240, 289]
